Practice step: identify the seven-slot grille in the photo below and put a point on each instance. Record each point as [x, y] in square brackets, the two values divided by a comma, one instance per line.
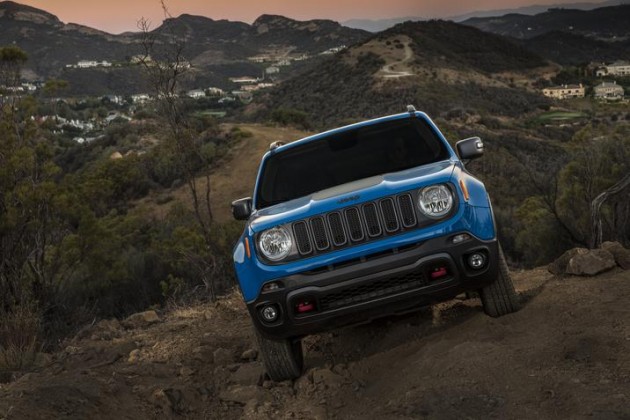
[352, 225]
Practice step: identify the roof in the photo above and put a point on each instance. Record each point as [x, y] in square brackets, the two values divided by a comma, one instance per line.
[347, 128]
[604, 85]
[562, 87]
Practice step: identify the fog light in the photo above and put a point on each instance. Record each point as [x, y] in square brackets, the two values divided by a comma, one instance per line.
[460, 238]
[269, 313]
[270, 286]
[477, 261]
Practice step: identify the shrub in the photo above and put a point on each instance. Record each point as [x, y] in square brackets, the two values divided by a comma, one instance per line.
[19, 331]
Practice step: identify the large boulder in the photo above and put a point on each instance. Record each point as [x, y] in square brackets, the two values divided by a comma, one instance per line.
[621, 254]
[559, 266]
[141, 320]
[591, 262]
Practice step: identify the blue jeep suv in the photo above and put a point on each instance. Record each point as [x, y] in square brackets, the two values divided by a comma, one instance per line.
[364, 221]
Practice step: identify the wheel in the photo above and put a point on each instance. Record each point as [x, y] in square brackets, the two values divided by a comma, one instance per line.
[500, 298]
[283, 358]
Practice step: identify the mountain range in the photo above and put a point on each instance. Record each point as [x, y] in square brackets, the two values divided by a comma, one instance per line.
[217, 49]
[378, 25]
[432, 52]
[609, 23]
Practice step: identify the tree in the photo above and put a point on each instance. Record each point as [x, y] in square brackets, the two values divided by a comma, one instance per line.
[53, 87]
[166, 67]
[12, 60]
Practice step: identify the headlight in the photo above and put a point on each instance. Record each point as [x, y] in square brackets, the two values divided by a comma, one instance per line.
[435, 201]
[275, 243]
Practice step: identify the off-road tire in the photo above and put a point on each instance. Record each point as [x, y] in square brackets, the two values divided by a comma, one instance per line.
[500, 298]
[283, 359]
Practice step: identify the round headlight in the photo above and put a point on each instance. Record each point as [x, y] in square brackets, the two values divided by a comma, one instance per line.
[435, 201]
[275, 243]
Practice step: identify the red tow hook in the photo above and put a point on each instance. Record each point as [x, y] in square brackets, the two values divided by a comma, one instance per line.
[439, 272]
[305, 306]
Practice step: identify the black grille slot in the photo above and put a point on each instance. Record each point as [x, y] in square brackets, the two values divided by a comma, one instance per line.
[354, 224]
[389, 215]
[371, 219]
[407, 212]
[300, 230]
[319, 233]
[337, 232]
[376, 289]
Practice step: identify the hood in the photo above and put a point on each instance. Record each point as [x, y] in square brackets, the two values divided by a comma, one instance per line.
[351, 194]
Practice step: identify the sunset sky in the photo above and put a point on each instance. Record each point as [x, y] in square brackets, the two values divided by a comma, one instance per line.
[121, 15]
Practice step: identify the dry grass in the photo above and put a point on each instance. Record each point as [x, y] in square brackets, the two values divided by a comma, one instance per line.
[234, 178]
[19, 331]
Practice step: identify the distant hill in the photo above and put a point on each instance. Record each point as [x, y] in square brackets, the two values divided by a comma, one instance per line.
[218, 49]
[605, 22]
[439, 66]
[573, 49]
[378, 25]
[536, 9]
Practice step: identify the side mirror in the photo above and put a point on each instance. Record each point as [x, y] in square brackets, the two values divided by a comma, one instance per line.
[242, 209]
[470, 148]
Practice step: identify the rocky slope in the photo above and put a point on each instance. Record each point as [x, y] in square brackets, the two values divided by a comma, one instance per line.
[563, 355]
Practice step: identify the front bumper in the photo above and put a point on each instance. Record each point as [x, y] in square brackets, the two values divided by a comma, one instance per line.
[397, 281]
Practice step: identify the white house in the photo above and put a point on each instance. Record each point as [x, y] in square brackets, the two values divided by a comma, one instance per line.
[245, 80]
[272, 70]
[214, 91]
[196, 94]
[608, 90]
[618, 68]
[115, 99]
[86, 64]
[565, 91]
[140, 98]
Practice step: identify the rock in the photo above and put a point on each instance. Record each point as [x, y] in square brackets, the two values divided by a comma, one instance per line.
[621, 254]
[591, 262]
[248, 374]
[161, 399]
[42, 360]
[222, 356]
[186, 371]
[72, 350]
[203, 353]
[250, 354]
[141, 320]
[242, 394]
[327, 377]
[134, 356]
[559, 266]
[303, 384]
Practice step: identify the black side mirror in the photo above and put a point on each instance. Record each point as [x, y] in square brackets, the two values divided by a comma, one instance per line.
[242, 209]
[470, 148]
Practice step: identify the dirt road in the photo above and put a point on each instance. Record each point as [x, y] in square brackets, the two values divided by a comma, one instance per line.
[399, 68]
[566, 354]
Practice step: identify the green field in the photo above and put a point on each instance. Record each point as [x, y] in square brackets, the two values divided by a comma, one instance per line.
[559, 116]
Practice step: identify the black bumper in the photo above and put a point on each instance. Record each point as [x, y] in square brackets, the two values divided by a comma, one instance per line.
[379, 285]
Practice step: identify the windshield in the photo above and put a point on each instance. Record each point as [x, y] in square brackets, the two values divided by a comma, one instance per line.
[348, 156]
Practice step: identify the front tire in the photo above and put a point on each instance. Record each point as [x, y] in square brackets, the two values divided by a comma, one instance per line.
[500, 298]
[283, 359]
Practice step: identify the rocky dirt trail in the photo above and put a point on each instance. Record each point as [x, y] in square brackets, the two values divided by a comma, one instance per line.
[564, 355]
